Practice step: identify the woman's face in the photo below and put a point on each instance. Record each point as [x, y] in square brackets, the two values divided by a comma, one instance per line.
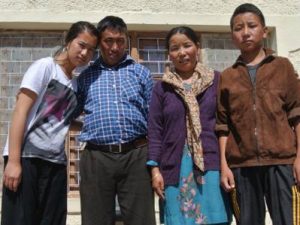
[81, 49]
[183, 52]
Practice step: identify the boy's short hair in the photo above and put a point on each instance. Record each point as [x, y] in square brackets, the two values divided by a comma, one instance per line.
[248, 7]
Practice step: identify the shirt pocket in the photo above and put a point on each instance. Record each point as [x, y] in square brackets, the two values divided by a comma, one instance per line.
[273, 103]
[131, 89]
[240, 104]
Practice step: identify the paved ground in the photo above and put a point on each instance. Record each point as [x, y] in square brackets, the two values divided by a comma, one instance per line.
[75, 220]
[74, 217]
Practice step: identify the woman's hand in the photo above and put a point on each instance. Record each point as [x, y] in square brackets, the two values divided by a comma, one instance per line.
[158, 182]
[12, 175]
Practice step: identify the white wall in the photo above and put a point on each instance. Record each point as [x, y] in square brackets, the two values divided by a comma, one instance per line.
[203, 15]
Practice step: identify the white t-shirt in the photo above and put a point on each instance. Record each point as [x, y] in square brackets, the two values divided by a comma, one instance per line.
[49, 119]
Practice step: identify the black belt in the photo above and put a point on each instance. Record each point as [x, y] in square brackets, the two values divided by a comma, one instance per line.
[118, 148]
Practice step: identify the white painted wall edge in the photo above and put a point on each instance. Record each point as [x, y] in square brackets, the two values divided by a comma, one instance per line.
[287, 27]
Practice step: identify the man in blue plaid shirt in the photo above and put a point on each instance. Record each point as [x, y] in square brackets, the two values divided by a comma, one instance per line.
[114, 95]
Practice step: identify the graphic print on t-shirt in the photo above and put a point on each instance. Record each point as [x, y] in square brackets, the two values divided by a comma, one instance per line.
[46, 136]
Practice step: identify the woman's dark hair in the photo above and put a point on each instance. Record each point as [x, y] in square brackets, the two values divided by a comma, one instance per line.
[112, 22]
[248, 8]
[187, 31]
[76, 29]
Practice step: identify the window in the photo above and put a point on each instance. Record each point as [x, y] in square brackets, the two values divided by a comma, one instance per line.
[153, 54]
[74, 148]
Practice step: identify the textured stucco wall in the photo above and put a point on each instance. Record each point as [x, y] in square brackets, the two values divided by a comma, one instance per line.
[294, 56]
[203, 15]
[137, 11]
[289, 7]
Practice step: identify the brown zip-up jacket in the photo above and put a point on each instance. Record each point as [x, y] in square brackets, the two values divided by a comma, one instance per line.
[258, 118]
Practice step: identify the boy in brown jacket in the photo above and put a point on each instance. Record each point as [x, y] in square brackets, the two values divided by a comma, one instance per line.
[258, 126]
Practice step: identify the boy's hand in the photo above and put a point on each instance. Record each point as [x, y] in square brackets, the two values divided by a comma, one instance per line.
[296, 166]
[12, 175]
[296, 171]
[227, 179]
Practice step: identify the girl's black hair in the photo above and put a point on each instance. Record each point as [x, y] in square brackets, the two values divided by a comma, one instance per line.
[76, 29]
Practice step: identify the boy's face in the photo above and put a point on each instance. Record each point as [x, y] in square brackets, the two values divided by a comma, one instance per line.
[248, 32]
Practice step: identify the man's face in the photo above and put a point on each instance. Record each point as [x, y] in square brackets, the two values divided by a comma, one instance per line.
[112, 46]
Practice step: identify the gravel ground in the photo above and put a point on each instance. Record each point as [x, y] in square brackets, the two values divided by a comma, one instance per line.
[75, 220]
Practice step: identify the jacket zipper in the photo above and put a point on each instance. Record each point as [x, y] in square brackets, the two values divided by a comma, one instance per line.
[254, 111]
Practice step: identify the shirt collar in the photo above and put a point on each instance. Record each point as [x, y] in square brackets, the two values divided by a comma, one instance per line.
[269, 56]
[127, 59]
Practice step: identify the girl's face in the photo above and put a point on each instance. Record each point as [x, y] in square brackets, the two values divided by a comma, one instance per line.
[183, 53]
[81, 49]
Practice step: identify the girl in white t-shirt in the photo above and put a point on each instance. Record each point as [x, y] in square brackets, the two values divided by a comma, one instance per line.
[35, 175]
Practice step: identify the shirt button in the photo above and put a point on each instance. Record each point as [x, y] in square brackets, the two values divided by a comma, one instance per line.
[114, 86]
[115, 102]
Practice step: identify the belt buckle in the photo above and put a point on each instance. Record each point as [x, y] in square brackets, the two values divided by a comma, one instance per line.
[116, 151]
[120, 147]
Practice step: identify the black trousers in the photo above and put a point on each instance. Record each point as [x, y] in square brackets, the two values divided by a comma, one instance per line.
[273, 185]
[107, 175]
[41, 198]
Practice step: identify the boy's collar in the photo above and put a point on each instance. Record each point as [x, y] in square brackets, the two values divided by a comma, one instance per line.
[269, 56]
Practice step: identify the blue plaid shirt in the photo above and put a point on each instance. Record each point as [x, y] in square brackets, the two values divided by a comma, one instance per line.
[115, 101]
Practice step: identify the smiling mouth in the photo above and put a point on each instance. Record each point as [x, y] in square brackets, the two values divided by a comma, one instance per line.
[82, 60]
[184, 61]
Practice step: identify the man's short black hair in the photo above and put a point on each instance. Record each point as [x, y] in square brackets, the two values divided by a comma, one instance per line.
[112, 22]
[248, 7]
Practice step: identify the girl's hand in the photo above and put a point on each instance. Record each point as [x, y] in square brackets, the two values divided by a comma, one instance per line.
[12, 175]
